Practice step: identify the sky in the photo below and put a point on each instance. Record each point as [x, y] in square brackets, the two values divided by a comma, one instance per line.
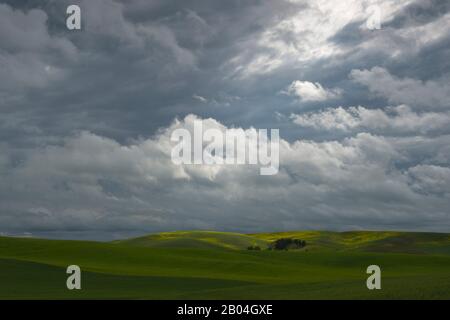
[86, 115]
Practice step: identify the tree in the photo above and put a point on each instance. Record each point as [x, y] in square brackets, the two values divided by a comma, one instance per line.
[287, 243]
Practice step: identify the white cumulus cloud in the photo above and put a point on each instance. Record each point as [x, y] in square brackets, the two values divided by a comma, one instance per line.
[414, 92]
[393, 119]
[309, 91]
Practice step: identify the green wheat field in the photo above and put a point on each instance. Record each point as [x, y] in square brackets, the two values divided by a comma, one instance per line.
[217, 265]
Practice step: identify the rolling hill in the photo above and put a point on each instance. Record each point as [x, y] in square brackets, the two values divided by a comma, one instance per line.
[196, 239]
[213, 265]
[369, 241]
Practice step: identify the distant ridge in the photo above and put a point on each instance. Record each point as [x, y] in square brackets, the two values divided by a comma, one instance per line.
[196, 239]
[370, 241]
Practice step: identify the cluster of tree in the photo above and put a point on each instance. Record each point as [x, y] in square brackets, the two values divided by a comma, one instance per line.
[287, 243]
[282, 244]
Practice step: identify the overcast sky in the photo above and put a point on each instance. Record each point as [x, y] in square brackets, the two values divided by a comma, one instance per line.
[86, 116]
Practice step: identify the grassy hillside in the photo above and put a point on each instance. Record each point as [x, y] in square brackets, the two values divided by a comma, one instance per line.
[196, 239]
[214, 265]
[369, 241]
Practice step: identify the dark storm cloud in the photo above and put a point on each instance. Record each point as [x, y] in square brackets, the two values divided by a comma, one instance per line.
[136, 66]
[420, 13]
[86, 115]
